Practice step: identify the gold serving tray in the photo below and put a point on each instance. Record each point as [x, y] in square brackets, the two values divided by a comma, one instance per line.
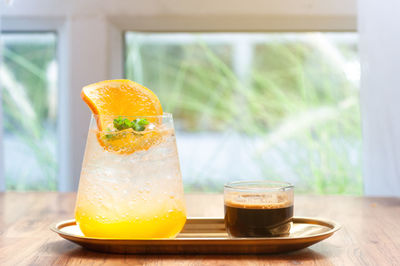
[206, 236]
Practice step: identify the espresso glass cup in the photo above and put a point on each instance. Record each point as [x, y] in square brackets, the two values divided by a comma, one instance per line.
[258, 208]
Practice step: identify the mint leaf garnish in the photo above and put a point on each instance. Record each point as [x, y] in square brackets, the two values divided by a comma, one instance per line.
[121, 123]
[138, 124]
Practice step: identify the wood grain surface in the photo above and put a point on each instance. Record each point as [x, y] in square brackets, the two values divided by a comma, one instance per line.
[370, 234]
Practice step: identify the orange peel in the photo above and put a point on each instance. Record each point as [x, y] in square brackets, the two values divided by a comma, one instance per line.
[112, 98]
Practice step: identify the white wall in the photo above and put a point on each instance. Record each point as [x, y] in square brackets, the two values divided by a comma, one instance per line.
[379, 31]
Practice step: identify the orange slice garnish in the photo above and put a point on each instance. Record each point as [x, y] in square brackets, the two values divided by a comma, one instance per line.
[113, 98]
[120, 97]
[128, 141]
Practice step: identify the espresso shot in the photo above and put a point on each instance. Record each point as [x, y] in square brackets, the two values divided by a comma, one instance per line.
[258, 209]
[258, 220]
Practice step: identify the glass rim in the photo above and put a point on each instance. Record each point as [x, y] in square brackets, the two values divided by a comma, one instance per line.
[164, 115]
[258, 185]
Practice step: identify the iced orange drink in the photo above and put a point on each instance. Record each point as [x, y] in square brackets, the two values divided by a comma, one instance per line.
[130, 185]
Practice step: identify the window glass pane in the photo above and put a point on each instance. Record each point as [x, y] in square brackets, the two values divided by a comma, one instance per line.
[29, 82]
[278, 106]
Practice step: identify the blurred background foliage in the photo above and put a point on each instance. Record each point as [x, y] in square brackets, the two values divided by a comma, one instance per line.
[28, 74]
[292, 98]
[280, 106]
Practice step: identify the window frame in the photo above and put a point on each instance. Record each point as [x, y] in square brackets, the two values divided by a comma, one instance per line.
[80, 24]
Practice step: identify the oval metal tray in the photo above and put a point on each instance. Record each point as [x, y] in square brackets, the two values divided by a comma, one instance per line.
[206, 236]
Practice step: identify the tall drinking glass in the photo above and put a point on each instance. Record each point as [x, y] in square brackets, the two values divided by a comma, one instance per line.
[130, 185]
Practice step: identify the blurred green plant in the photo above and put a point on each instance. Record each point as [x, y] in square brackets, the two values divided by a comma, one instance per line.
[27, 113]
[297, 94]
[297, 98]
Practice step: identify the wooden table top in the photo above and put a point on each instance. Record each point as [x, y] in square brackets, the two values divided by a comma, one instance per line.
[370, 234]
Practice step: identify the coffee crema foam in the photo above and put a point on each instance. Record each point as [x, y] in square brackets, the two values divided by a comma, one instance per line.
[258, 201]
